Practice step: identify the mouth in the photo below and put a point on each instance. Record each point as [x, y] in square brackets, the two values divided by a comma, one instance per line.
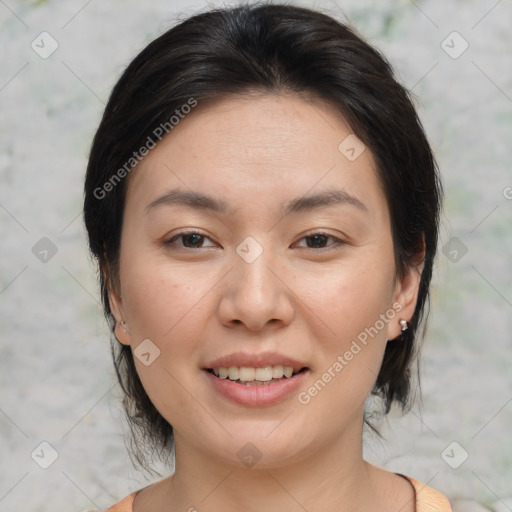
[255, 380]
[261, 386]
[256, 376]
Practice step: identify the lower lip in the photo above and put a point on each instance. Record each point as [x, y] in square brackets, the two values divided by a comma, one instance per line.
[255, 396]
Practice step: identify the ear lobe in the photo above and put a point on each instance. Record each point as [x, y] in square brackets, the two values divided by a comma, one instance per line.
[406, 294]
[116, 307]
[407, 289]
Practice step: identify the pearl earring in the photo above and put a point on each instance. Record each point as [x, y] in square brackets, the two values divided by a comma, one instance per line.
[123, 325]
[403, 325]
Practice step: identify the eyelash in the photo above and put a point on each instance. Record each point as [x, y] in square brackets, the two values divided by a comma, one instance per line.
[171, 242]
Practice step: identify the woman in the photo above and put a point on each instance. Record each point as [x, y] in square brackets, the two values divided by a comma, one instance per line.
[264, 207]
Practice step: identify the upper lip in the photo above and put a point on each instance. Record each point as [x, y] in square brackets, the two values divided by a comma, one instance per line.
[255, 361]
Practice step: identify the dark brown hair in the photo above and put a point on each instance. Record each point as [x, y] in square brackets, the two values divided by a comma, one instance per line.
[272, 48]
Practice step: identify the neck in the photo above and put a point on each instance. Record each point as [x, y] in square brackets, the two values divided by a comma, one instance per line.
[332, 476]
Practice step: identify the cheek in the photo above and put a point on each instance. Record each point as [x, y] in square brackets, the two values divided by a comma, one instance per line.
[160, 298]
[165, 307]
[351, 357]
[350, 299]
[353, 307]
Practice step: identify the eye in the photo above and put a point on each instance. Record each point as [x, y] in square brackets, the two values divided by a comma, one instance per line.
[196, 240]
[319, 240]
[189, 239]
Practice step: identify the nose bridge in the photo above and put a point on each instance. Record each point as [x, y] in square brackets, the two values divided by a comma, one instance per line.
[254, 276]
[254, 295]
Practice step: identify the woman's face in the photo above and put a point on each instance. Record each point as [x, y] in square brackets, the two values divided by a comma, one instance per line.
[292, 266]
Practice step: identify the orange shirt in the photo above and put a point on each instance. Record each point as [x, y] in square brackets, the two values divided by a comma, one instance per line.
[427, 499]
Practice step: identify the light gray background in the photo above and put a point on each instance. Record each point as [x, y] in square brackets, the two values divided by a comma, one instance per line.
[57, 379]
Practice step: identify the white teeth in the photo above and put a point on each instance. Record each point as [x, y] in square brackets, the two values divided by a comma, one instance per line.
[277, 372]
[263, 374]
[233, 373]
[246, 374]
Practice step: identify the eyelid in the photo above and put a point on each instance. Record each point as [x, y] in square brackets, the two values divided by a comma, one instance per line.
[337, 241]
[171, 241]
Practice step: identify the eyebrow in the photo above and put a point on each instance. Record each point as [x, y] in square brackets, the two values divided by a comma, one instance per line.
[301, 204]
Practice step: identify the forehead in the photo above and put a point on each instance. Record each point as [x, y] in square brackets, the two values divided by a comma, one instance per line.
[259, 148]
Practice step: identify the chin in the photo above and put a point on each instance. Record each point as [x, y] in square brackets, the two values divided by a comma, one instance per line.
[258, 451]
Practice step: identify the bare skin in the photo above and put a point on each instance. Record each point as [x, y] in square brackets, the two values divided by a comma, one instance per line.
[308, 298]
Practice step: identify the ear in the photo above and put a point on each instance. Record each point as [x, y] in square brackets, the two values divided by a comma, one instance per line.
[116, 307]
[406, 295]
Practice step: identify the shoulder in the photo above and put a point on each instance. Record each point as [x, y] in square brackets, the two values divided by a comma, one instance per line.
[125, 505]
[427, 498]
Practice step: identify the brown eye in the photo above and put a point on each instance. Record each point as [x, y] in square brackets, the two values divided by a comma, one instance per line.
[319, 241]
[189, 240]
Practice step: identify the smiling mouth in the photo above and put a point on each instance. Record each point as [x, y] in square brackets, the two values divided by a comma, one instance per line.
[261, 376]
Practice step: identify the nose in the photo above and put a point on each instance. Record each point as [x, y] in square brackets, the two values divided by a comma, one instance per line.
[256, 293]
